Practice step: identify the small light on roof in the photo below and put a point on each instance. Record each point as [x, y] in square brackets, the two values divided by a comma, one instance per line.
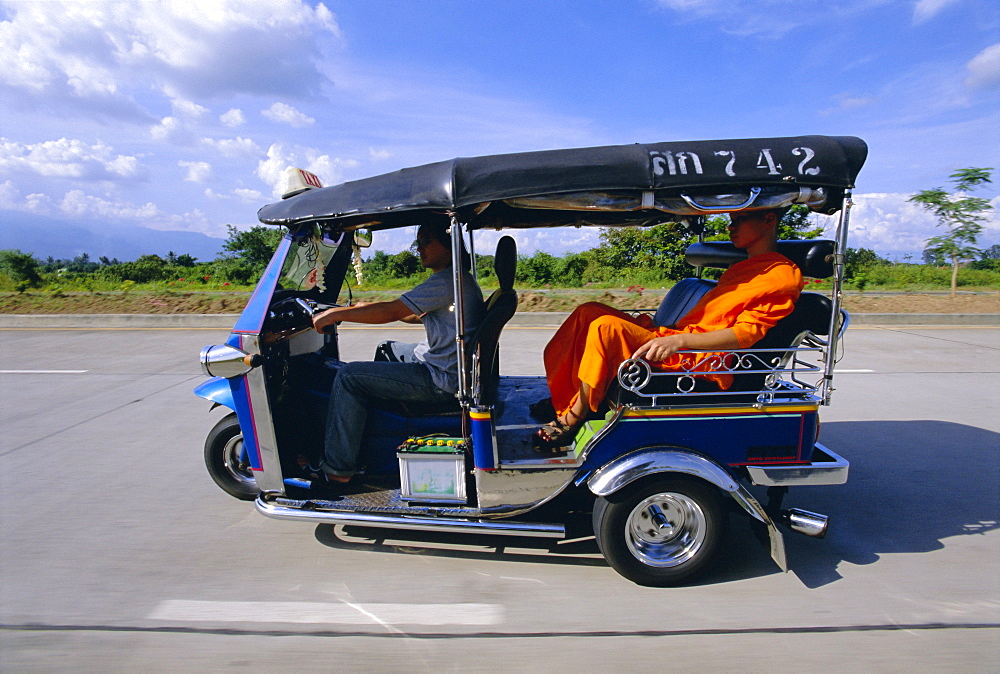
[299, 180]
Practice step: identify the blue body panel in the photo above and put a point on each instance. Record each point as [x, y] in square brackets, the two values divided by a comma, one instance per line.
[251, 321]
[385, 429]
[250, 324]
[216, 390]
[232, 394]
[729, 437]
[244, 414]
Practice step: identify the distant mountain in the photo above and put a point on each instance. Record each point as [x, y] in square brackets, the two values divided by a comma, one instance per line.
[46, 237]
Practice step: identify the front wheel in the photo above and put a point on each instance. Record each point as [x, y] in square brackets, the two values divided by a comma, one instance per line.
[226, 461]
[661, 531]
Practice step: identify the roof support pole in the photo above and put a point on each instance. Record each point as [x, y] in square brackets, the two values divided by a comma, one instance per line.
[457, 276]
[839, 257]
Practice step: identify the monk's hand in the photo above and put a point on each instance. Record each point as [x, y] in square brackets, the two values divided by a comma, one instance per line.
[660, 348]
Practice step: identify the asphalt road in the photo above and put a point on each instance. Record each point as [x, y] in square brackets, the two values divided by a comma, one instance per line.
[117, 552]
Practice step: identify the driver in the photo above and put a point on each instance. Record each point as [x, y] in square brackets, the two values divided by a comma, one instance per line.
[431, 377]
[583, 356]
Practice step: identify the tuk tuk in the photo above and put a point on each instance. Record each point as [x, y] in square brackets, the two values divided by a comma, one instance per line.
[663, 461]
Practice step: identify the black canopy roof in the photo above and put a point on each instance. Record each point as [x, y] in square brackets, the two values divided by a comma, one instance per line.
[652, 176]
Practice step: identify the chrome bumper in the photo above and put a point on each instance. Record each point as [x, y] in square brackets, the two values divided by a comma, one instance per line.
[827, 467]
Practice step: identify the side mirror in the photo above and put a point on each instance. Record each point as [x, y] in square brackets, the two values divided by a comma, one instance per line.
[363, 238]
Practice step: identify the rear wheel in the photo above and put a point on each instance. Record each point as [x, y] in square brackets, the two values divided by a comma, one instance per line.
[660, 531]
[226, 461]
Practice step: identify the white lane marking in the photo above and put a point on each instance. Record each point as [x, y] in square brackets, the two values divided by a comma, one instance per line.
[861, 371]
[382, 615]
[43, 371]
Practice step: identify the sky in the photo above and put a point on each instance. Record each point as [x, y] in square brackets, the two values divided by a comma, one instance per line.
[184, 115]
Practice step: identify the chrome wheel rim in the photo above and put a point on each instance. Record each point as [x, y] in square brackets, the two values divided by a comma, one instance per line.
[240, 470]
[666, 530]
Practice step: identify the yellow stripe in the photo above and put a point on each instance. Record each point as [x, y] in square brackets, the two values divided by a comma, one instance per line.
[716, 411]
[482, 416]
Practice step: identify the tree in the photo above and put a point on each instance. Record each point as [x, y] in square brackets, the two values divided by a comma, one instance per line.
[857, 260]
[658, 248]
[795, 224]
[990, 259]
[960, 214]
[484, 266]
[253, 246]
[932, 257]
[21, 267]
[145, 269]
[537, 270]
[396, 266]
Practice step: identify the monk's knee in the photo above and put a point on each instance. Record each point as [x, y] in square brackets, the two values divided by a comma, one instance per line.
[607, 329]
[590, 311]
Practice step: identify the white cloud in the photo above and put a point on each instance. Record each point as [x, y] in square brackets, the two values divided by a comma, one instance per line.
[893, 227]
[378, 155]
[108, 48]
[984, 68]
[286, 114]
[9, 194]
[187, 108]
[767, 17]
[171, 130]
[272, 170]
[123, 166]
[250, 196]
[197, 171]
[845, 102]
[38, 203]
[233, 118]
[66, 158]
[246, 196]
[79, 204]
[233, 147]
[927, 9]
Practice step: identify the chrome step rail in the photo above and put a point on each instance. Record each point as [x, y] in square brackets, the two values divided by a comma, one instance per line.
[420, 523]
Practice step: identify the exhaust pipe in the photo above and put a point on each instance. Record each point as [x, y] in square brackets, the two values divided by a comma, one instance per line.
[804, 522]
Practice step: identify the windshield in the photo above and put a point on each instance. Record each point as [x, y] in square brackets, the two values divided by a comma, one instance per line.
[306, 264]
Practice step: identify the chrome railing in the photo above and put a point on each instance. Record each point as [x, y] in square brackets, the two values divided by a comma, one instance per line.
[789, 374]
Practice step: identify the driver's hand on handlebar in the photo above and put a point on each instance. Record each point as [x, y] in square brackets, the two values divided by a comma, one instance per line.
[324, 320]
[660, 348]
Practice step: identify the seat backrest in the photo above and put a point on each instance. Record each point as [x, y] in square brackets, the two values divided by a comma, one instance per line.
[814, 257]
[483, 349]
[810, 315]
[680, 299]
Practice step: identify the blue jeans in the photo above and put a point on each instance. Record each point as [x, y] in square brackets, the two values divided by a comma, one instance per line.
[356, 387]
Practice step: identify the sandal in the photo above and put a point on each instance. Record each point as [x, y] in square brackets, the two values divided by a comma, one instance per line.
[555, 436]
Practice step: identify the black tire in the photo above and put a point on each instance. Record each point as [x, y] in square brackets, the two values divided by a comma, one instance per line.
[659, 555]
[222, 458]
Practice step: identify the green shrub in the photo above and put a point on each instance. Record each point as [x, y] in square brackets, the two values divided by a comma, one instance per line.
[21, 268]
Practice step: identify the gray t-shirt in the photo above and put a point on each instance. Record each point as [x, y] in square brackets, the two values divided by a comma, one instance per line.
[434, 301]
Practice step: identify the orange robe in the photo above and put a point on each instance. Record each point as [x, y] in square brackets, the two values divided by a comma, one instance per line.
[751, 296]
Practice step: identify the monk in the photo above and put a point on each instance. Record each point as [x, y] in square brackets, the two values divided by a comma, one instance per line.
[582, 358]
